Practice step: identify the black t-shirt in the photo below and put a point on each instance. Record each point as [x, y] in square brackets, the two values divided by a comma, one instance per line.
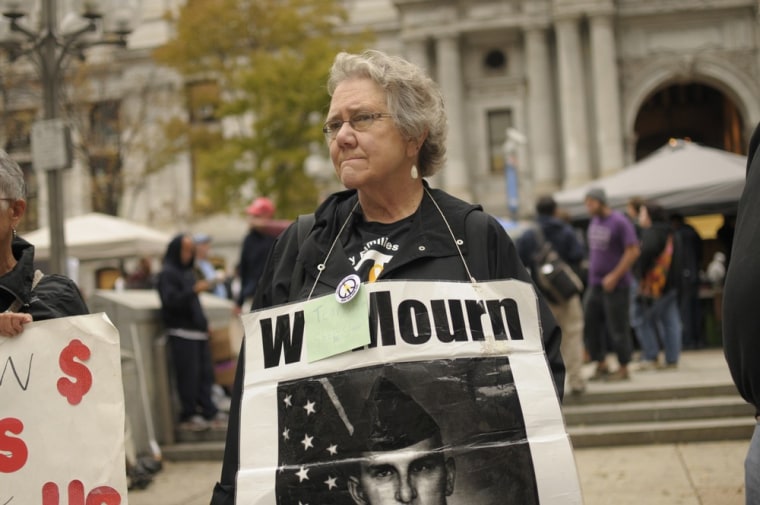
[371, 246]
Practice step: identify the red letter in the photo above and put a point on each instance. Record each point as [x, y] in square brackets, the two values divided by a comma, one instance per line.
[16, 446]
[50, 493]
[104, 495]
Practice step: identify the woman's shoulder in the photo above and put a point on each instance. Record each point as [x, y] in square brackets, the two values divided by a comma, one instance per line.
[61, 294]
[452, 202]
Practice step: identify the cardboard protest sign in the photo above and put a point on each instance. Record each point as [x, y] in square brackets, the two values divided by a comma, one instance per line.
[62, 414]
[452, 399]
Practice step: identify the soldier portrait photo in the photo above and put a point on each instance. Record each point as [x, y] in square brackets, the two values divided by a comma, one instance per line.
[431, 432]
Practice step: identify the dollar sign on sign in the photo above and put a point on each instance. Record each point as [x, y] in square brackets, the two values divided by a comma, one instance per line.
[74, 390]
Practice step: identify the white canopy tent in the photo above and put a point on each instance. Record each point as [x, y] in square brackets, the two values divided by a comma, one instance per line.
[681, 176]
[97, 236]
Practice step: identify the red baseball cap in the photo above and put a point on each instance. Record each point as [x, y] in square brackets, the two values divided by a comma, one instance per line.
[261, 207]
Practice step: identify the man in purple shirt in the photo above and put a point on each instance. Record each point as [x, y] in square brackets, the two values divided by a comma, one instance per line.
[613, 249]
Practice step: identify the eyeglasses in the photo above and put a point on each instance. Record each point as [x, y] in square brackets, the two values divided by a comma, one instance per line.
[361, 121]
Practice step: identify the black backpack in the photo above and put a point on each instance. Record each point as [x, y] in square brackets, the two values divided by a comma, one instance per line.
[553, 276]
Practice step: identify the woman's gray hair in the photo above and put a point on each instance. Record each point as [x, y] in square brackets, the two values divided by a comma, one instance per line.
[12, 183]
[413, 98]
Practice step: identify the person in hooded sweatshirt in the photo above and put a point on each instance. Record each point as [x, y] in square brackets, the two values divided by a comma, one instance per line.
[188, 331]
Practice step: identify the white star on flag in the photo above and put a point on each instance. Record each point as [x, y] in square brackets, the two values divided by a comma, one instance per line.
[309, 408]
[303, 474]
[313, 426]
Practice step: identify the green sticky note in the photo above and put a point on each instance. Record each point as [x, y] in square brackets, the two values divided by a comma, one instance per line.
[333, 328]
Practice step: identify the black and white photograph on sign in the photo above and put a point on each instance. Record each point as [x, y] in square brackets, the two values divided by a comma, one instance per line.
[428, 432]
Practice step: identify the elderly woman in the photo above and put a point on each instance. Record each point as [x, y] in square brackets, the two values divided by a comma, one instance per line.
[26, 295]
[386, 131]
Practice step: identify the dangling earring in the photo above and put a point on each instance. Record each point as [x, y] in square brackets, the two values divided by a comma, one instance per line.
[415, 174]
[14, 233]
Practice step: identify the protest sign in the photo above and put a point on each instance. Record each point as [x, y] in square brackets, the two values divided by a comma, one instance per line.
[453, 396]
[62, 414]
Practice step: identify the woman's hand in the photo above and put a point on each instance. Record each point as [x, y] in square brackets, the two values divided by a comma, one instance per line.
[12, 323]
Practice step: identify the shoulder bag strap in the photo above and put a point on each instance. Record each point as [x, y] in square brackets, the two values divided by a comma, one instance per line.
[304, 224]
[17, 303]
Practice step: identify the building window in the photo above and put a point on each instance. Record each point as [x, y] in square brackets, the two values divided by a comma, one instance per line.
[106, 181]
[104, 125]
[498, 122]
[203, 101]
[19, 130]
[495, 61]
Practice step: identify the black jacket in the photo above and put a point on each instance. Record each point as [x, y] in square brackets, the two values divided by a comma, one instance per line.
[741, 320]
[253, 256]
[180, 306]
[54, 296]
[429, 255]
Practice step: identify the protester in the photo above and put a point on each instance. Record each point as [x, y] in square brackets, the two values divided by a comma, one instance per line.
[386, 131]
[741, 322]
[253, 255]
[26, 294]
[688, 296]
[613, 249]
[188, 331]
[206, 269]
[658, 273]
[569, 313]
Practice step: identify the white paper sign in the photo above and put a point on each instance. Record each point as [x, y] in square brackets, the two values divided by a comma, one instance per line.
[62, 414]
[452, 398]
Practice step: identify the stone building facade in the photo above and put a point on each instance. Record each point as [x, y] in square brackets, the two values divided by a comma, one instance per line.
[593, 85]
[589, 86]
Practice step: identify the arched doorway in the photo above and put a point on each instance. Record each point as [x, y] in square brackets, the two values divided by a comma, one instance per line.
[693, 111]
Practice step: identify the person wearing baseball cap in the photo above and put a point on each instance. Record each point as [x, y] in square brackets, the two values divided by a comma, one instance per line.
[205, 268]
[613, 249]
[261, 207]
[254, 251]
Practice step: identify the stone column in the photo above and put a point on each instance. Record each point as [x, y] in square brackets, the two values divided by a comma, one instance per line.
[604, 71]
[572, 94]
[416, 52]
[456, 174]
[541, 113]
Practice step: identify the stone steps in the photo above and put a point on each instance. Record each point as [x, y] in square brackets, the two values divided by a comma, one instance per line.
[654, 416]
[698, 402]
[194, 451]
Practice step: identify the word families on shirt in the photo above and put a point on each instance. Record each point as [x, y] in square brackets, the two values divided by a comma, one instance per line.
[371, 247]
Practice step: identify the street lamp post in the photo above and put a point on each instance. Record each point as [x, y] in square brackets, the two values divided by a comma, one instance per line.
[49, 49]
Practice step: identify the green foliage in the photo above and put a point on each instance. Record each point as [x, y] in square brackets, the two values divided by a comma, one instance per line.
[270, 60]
